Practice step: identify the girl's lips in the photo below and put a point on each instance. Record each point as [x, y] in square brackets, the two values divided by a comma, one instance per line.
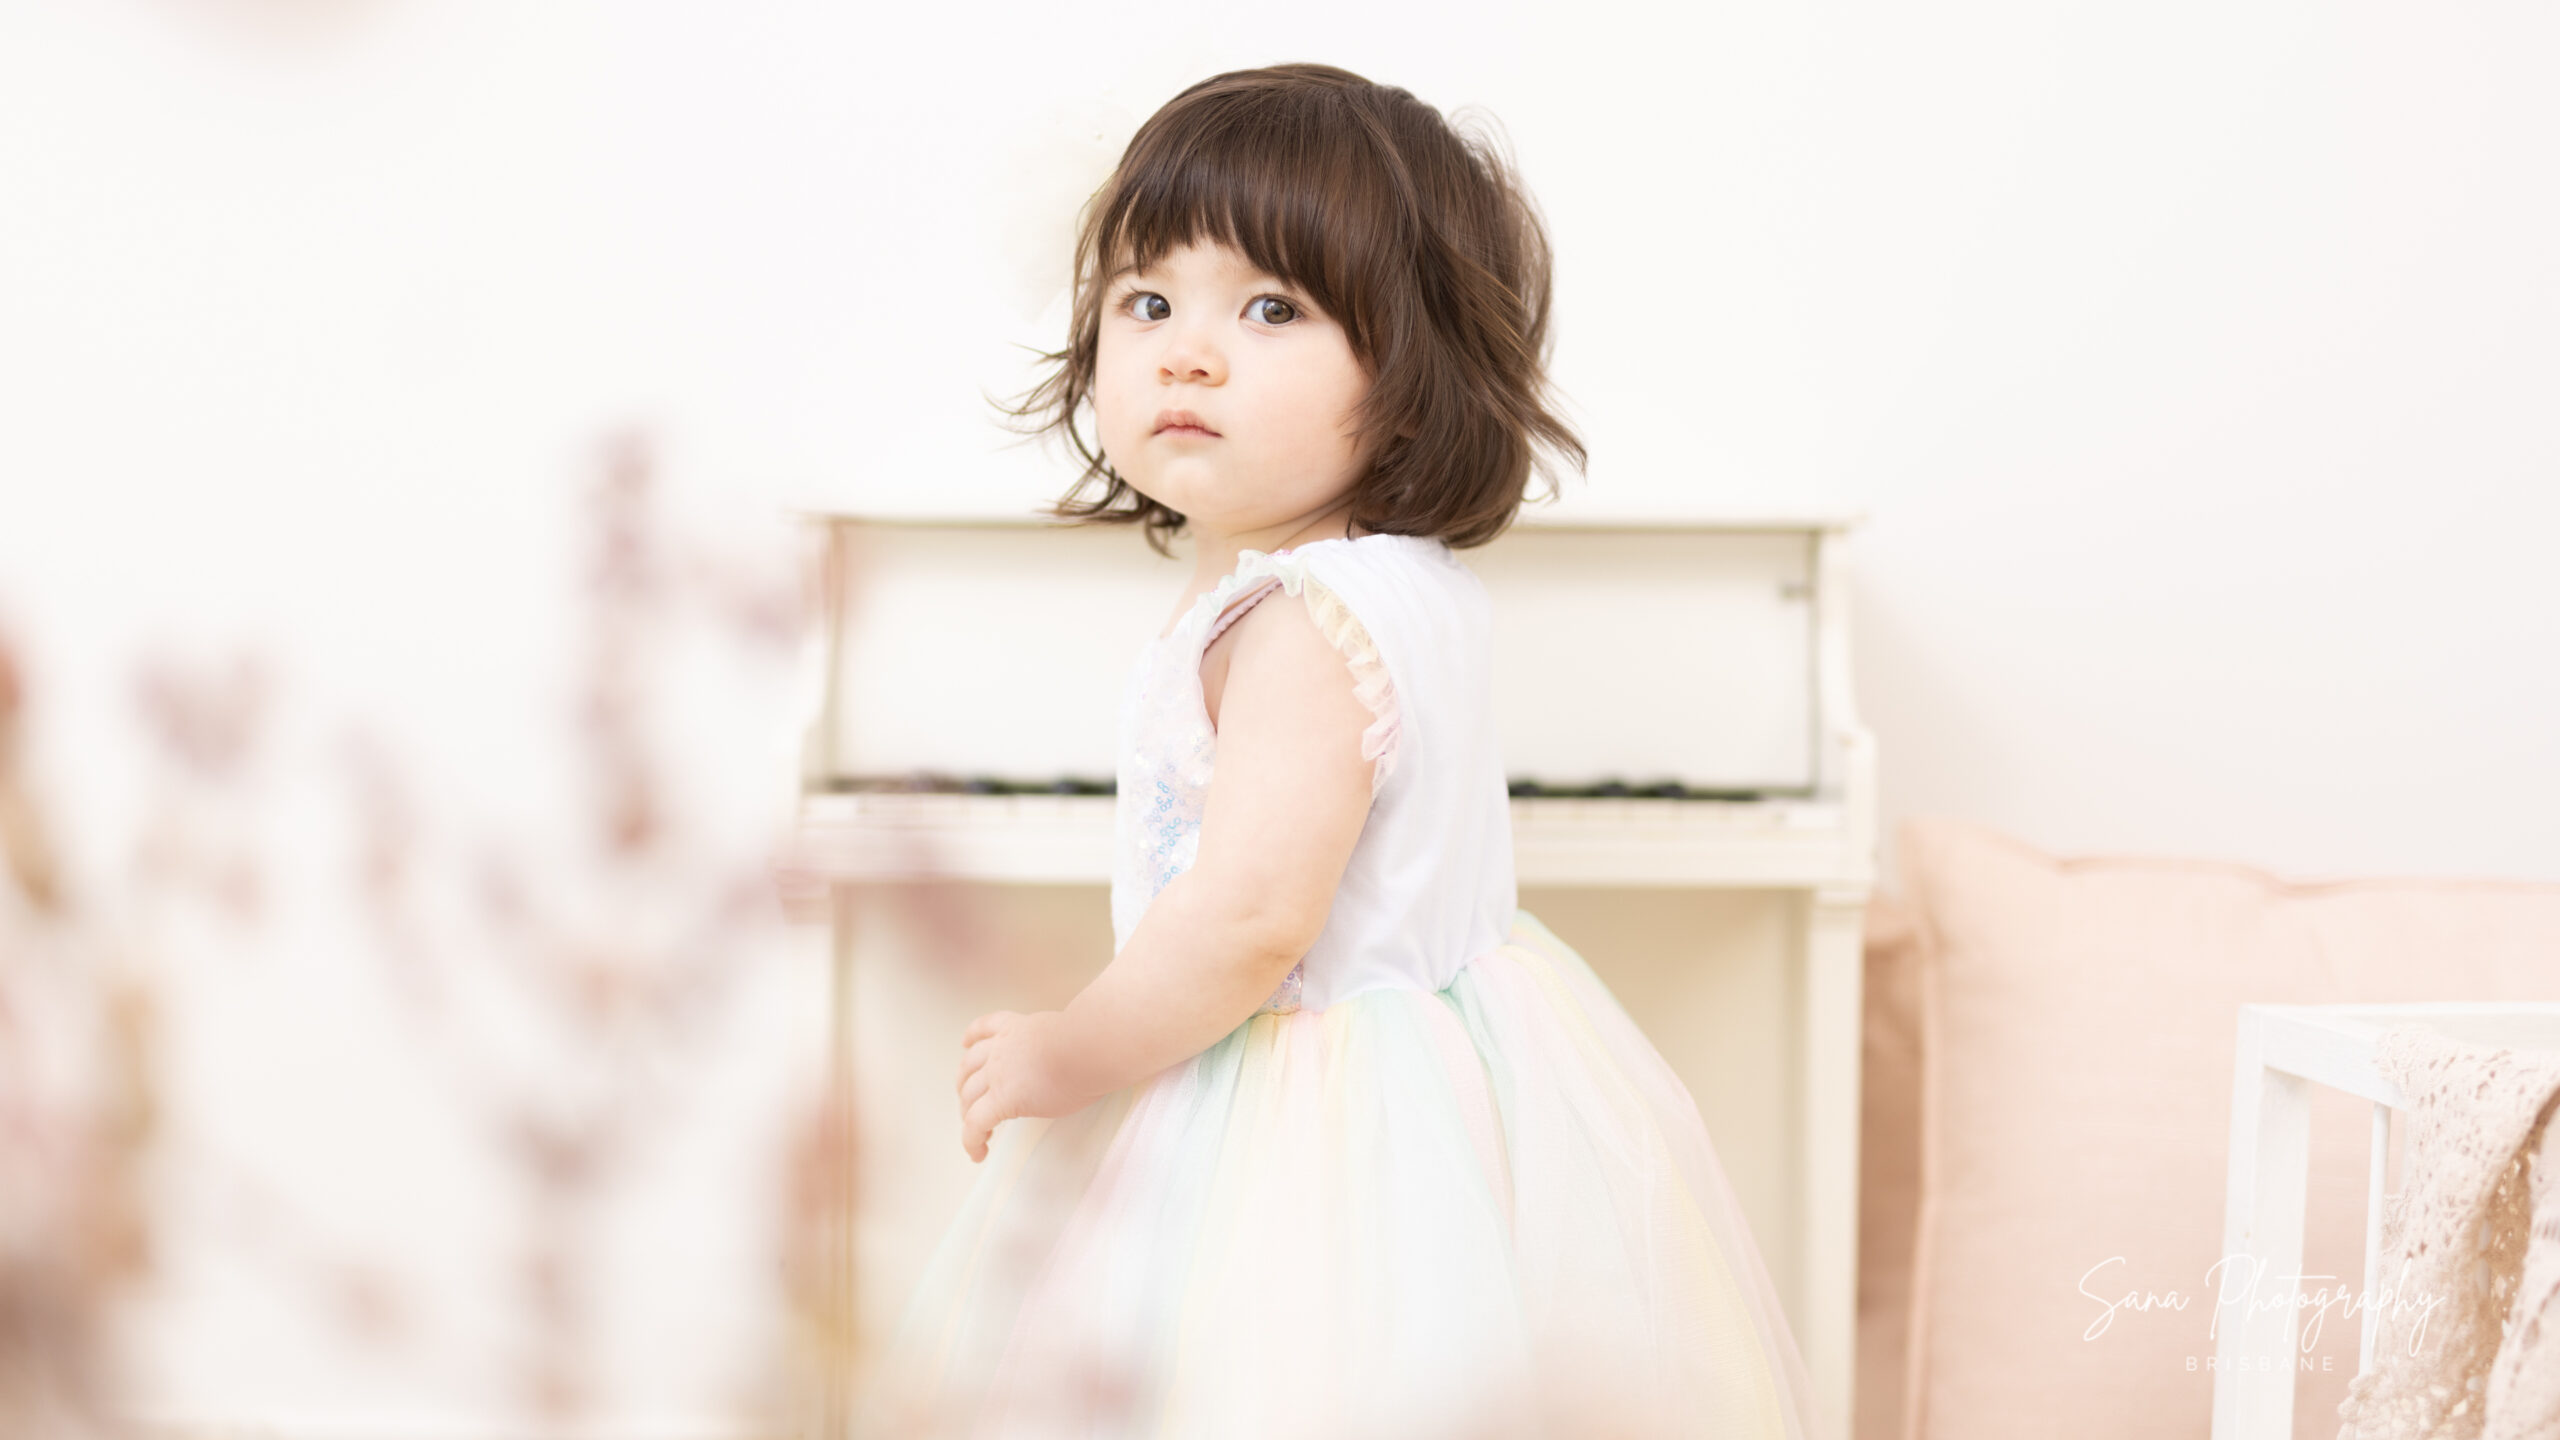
[1181, 422]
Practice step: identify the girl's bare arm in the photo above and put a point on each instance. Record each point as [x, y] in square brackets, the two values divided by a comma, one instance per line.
[1283, 812]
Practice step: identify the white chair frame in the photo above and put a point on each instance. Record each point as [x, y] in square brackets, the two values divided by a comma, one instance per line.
[2283, 1051]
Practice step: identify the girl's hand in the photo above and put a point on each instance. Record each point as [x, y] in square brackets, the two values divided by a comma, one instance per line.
[1009, 1067]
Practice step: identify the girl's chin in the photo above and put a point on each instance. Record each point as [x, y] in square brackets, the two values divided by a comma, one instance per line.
[1167, 486]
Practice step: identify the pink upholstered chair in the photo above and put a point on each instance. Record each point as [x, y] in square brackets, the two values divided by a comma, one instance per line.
[2049, 1057]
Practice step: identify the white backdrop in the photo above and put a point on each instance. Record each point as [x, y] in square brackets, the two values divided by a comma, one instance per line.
[2195, 362]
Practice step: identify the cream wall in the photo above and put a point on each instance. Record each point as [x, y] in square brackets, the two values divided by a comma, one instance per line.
[2195, 364]
[2205, 409]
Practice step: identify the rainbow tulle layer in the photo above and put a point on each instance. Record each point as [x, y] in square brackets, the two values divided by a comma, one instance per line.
[1487, 1210]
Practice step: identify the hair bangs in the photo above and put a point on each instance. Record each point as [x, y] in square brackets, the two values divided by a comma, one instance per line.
[1293, 189]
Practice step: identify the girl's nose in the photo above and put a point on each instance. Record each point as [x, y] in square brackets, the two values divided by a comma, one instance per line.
[1190, 355]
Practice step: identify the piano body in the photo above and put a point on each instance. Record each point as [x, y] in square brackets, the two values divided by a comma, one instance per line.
[1693, 810]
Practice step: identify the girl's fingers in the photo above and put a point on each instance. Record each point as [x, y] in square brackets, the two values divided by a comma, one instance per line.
[979, 1112]
[974, 1133]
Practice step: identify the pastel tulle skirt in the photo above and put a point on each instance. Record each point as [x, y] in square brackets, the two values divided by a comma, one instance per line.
[1487, 1210]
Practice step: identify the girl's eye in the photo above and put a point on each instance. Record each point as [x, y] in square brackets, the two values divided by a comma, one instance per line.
[1147, 305]
[1272, 310]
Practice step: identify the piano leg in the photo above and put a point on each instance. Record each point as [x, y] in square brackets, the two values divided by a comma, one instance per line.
[1834, 1010]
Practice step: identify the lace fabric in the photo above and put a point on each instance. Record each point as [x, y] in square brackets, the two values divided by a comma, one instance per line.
[2475, 1229]
[2524, 1381]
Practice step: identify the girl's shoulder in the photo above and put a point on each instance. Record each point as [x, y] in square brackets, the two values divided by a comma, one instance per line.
[1409, 592]
[1424, 569]
[1422, 559]
[1412, 593]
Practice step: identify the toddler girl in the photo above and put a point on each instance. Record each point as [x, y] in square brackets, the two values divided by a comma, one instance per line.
[1342, 1142]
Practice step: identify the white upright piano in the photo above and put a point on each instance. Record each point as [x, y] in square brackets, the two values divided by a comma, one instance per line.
[1675, 711]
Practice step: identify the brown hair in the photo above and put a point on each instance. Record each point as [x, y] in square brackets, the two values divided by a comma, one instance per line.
[1418, 240]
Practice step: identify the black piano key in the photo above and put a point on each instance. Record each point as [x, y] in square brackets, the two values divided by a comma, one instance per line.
[1520, 787]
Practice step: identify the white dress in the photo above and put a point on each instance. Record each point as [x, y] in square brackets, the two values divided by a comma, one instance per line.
[1439, 1185]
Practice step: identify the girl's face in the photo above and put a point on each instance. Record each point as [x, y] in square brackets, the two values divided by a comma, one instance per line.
[1224, 393]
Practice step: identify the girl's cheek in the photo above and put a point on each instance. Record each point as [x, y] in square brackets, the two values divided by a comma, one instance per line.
[1106, 398]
